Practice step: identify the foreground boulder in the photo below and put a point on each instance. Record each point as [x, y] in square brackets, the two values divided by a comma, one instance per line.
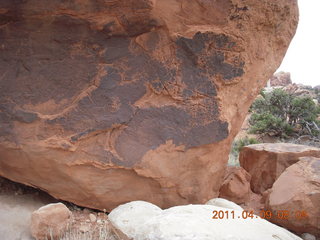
[297, 191]
[265, 162]
[132, 99]
[140, 221]
[50, 222]
[236, 185]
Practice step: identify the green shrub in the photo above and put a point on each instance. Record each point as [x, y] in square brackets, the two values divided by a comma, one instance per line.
[317, 92]
[239, 144]
[281, 114]
[268, 123]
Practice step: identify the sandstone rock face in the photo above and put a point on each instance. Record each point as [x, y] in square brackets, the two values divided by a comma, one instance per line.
[191, 222]
[297, 190]
[265, 162]
[105, 102]
[281, 79]
[236, 185]
[50, 221]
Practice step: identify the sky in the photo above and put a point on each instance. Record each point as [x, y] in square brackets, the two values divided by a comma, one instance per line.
[303, 56]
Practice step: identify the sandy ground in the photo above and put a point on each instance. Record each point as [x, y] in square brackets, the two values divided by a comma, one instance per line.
[16, 206]
[17, 202]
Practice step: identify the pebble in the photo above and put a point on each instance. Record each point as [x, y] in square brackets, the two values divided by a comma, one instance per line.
[84, 228]
[92, 217]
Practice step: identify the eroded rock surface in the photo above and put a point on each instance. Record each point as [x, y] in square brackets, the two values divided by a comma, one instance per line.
[266, 161]
[104, 102]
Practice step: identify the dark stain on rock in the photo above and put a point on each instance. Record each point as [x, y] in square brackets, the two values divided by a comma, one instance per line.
[9, 17]
[222, 41]
[60, 60]
[116, 48]
[216, 65]
[204, 57]
[152, 41]
[26, 117]
[44, 64]
[239, 13]
[6, 119]
[108, 27]
[81, 134]
[152, 127]
[189, 51]
[136, 25]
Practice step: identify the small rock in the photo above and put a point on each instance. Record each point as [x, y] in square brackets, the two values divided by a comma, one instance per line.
[50, 220]
[308, 236]
[84, 228]
[86, 210]
[236, 185]
[92, 217]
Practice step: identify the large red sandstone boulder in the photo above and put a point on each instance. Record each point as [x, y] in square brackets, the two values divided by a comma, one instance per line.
[297, 191]
[105, 102]
[236, 185]
[265, 162]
